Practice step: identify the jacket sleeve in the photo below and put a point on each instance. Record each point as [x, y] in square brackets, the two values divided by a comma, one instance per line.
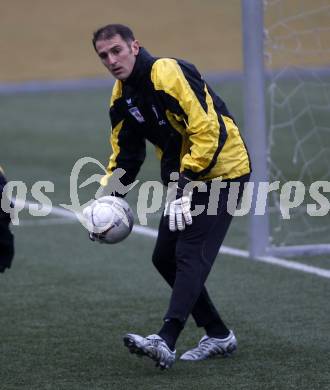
[6, 237]
[182, 83]
[128, 145]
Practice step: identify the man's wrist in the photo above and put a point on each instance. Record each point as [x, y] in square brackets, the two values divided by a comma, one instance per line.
[182, 182]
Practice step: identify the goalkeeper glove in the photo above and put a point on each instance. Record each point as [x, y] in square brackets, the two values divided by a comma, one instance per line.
[179, 209]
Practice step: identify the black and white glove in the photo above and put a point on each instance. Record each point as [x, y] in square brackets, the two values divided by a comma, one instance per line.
[179, 209]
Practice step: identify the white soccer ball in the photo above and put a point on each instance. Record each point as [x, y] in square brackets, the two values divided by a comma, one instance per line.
[110, 218]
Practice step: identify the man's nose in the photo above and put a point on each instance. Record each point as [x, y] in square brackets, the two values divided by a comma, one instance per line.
[111, 59]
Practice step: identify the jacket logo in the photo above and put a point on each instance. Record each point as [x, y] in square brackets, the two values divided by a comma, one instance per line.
[134, 111]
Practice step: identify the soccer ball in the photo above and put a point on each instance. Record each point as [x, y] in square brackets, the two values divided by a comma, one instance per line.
[110, 219]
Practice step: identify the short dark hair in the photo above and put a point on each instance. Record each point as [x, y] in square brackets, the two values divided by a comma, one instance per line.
[110, 30]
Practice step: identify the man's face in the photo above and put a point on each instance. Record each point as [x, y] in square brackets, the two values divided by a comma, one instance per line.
[117, 55]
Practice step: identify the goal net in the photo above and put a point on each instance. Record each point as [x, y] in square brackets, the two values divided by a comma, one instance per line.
[297, 60]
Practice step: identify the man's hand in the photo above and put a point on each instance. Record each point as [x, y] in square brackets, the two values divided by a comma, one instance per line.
[180, 214]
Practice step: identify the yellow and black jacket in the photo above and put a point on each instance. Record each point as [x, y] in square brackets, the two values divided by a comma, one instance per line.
[166, 102]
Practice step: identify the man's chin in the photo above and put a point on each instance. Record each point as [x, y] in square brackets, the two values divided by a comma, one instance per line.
[119, 76]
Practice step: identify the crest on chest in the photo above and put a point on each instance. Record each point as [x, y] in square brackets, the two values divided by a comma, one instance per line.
[135, 112]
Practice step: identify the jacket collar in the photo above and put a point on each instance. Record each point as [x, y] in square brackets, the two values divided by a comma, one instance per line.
[141, 68]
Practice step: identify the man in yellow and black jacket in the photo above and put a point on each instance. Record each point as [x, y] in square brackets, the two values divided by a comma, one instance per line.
[6, 237]
[167, 102]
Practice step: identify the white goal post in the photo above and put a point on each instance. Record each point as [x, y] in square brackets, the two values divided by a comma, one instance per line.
[287, 116]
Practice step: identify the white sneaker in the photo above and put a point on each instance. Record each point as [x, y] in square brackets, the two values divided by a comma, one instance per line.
[210, 346]
[153, 346]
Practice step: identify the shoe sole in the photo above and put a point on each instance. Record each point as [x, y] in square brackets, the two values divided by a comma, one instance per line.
[138, 350]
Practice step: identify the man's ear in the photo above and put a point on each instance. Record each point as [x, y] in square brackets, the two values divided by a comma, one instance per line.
[135, 45]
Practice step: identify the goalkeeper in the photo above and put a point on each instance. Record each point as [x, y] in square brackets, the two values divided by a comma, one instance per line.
[6, 237]
[167, 102]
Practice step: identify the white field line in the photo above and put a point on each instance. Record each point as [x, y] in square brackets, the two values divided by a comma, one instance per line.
[146, 231]
[143, 230]
[47, 221]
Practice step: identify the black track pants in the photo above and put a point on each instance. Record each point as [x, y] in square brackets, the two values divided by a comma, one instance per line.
[185, 258]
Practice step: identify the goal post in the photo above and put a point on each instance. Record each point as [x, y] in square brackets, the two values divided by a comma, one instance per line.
[255, 115]
[286, 85]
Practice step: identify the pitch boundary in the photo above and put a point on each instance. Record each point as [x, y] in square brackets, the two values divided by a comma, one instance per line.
[36, 86]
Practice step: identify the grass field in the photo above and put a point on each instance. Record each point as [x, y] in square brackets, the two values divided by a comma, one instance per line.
[66, 302]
